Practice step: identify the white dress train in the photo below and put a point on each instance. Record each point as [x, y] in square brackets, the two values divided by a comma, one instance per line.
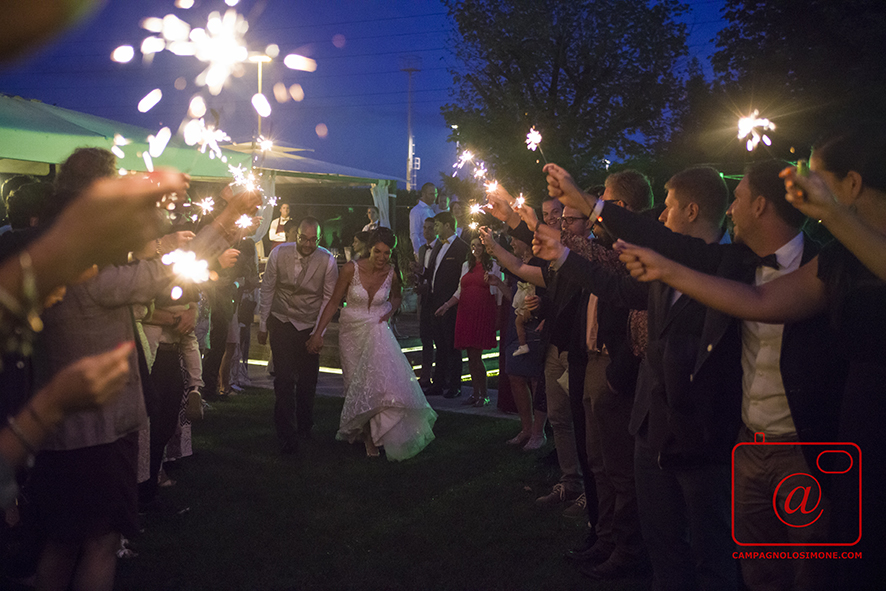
[380, 385]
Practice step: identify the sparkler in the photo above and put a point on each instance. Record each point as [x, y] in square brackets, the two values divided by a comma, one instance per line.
[480, 170]
[463, 159]
[476, 209]
[206, 205]
[533, 141]
[491, 186]
[196, 132]
[186, 265]
[520, 201]
[243, 222]
[747, 126]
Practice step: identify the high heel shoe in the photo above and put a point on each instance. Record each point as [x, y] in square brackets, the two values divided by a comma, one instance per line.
[521, 438]
[471, 401]
[481, 401]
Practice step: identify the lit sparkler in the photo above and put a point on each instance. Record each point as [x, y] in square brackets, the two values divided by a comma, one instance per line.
[476, 209]
[463, 159]
[533, 142]
[473, 225]
[520, 201]
[491, 186]
[206, 205]
[748, 126]
[187, 266]
[480, 170]
[243, 222]
[196, 132]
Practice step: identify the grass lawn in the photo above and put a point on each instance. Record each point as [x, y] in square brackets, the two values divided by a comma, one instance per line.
[460, 515]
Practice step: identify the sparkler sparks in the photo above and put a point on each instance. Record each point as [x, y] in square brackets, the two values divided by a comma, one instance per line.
[520, 201]
[463, 159]
[747, 126]
[150, 100]
[261, 104]
[123, 54]
[480, 170]
[491, 186]
[533, 141]
[476, 209]
[158, 143]
[206, 205]
[244, 221]
[186, 265]
[197, 133]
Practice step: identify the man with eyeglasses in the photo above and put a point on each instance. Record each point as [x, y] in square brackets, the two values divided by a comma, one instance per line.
[297, 284]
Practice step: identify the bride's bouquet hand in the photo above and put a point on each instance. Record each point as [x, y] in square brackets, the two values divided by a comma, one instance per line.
[386, 317]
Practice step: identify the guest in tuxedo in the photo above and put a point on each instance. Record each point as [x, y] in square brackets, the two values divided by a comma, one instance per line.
[277, 233]
[443, 274]
[296, 286]
[426, 312]
[374, 219]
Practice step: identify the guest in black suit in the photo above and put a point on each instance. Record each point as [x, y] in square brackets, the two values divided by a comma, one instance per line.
[426, 312]
[443, 274]
[700, 429]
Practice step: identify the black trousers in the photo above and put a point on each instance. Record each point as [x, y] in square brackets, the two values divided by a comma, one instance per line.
[295, 379]
[447, 369]
[577, 365]
[219, 323]
[163, 403]
[426, 333]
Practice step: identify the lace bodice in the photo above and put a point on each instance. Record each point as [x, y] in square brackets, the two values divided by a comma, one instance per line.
[359, 306]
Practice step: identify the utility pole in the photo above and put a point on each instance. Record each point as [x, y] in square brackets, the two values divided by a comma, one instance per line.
[410, 64]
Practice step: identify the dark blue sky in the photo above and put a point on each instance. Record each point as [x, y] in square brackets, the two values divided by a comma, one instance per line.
[358, 90]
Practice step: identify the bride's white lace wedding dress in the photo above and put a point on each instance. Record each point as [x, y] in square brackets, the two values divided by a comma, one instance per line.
[380, 385]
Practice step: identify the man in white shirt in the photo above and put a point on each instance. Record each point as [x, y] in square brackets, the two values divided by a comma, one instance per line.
[296, 286]
[423, 210]
[276, 234]
[374, 222]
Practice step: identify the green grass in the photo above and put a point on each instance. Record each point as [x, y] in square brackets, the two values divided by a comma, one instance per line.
[460, 515]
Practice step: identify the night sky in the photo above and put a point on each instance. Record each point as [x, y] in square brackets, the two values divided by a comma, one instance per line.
[358, 91]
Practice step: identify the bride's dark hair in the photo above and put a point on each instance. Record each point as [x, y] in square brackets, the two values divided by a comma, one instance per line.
[384, 235]
[485, 259]
[387, 237]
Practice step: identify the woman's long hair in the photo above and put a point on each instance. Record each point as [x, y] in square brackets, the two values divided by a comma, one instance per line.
[485, 259]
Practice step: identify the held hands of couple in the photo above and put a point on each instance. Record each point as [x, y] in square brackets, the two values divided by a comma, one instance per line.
[314, 344]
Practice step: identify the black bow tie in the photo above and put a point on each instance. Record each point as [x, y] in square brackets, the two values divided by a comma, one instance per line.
[770, 260]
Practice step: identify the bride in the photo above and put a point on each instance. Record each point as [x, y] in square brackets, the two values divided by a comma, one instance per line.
[384, 405]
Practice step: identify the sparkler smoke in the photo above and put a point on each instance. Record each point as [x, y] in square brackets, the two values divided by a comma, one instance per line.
[533, 141]
[748, 126]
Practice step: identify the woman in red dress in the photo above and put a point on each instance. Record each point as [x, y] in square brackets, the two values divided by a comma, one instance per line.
[477, 297]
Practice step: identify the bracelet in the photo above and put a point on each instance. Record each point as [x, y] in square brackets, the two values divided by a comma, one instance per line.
[16, 430]
[38, 419]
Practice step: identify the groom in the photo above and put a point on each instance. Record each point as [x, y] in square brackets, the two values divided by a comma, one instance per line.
[297, 284]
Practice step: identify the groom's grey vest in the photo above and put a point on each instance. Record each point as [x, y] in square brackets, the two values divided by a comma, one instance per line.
[299, 297]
